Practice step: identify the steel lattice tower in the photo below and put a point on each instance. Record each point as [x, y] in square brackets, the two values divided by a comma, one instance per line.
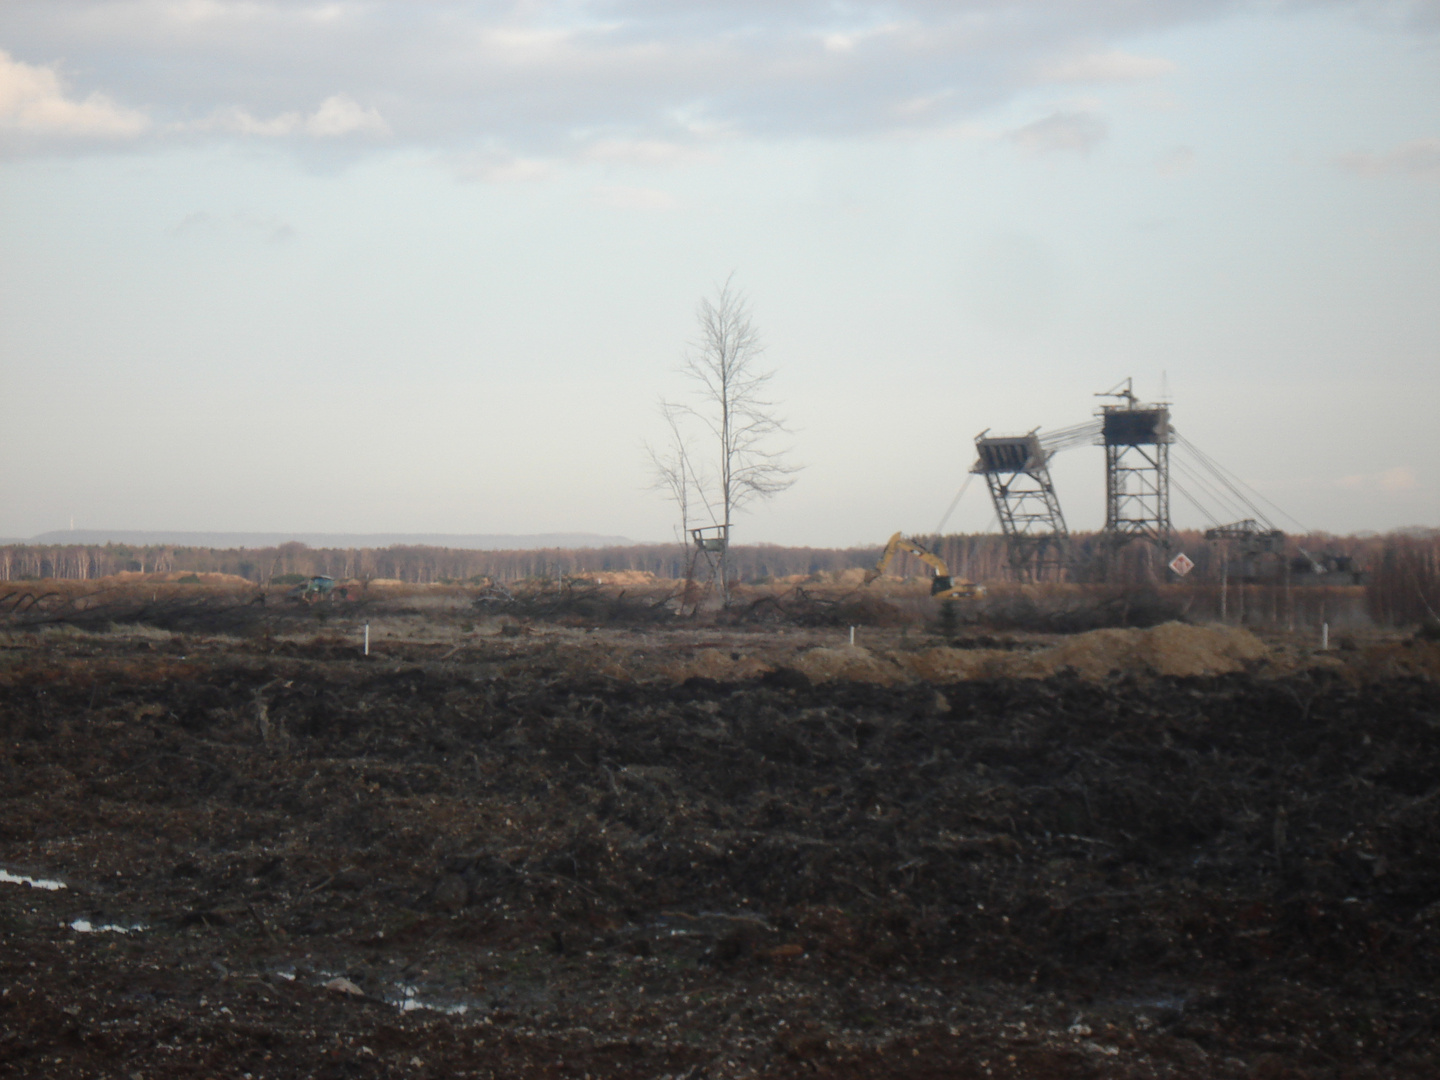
[1137, 440]
[1017, 471]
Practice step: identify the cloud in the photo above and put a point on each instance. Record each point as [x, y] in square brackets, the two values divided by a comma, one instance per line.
[341, 115]
[1398, 479]
[559, 80]
[1107, 67]
[634, 198]
[338, 115]
[1419, 157]
[847, 41]
[33, 101]
[273, 230]
[195, 223]
[202, 223]
[502, 169]
[1062, 132]
[645, 152]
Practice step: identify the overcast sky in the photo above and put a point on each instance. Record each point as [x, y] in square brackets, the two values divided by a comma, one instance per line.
[428, 266]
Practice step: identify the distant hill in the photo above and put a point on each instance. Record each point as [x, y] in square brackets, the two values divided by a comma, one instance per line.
[468, 542]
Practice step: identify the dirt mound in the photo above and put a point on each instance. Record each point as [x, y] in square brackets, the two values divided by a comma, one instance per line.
[1171, 649]
[952, 665]
[1168, 649]
[850, 663]
[203, 578]
[624, 577]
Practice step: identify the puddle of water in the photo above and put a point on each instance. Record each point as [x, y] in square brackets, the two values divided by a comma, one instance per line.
[85, 926]
[410, 1002]
[405, 997]
[1176, 1002]
[34, 883]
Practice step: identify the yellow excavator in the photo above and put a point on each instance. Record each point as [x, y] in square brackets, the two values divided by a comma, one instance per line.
[942, 585]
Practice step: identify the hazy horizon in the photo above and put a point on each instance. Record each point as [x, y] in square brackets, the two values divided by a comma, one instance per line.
[427, 268]
[243, 539]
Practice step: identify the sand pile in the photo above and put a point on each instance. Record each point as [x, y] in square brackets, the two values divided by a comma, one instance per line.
[850, 662]
[953, 665]
[1171, 648]
[624, 577]
[1168, 649]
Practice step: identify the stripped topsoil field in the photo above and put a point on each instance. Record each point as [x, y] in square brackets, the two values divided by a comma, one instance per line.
[280, 858]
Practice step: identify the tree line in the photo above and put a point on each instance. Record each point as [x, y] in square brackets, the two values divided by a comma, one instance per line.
[1405, 560]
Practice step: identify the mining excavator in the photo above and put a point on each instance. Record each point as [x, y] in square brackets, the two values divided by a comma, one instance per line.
[942, 585]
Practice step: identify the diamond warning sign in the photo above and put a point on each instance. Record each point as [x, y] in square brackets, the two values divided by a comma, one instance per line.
[1182, 564]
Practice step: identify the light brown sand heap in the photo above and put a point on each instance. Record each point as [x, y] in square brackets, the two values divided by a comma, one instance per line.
[954, 665]
[1169, 649]
[850, 662]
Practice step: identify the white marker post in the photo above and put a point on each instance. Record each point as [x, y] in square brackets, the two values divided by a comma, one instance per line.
[852, 636]
[367, 639]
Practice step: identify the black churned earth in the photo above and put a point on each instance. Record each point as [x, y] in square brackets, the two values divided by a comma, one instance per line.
[283, 862]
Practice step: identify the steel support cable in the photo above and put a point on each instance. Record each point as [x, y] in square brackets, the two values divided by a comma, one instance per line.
[1241, 482]
[1213, 467]
[1199, 482]
[1207, 500]
[940, 529]
[1216, 466]
[1194, 501]
[1221, 499]
[1254, 511]
[1214, 470]
[1074, 435]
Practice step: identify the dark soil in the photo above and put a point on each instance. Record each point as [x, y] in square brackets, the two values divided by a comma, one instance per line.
[520, 871]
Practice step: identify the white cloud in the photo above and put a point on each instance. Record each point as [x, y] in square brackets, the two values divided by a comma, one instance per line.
[639, 73]
[202, 223]
[922, 105]
[1106, 67]
[1419, 157]
[844, 42]
[337, 115]
[33, 100]
[342, 115]
[1062, 132]
[273, 229]
[495, 168]
[1401, 478]
[645, 152]
[634, 198]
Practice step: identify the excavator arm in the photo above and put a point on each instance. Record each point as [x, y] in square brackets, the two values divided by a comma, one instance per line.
[943, 585]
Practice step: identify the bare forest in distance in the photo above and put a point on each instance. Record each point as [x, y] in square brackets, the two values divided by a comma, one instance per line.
[1400, 571]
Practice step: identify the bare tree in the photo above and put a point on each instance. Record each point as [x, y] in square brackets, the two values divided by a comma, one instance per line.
[671, 468]
[734, 407]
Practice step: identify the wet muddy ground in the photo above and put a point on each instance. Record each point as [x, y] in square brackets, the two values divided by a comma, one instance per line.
[280, 858]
